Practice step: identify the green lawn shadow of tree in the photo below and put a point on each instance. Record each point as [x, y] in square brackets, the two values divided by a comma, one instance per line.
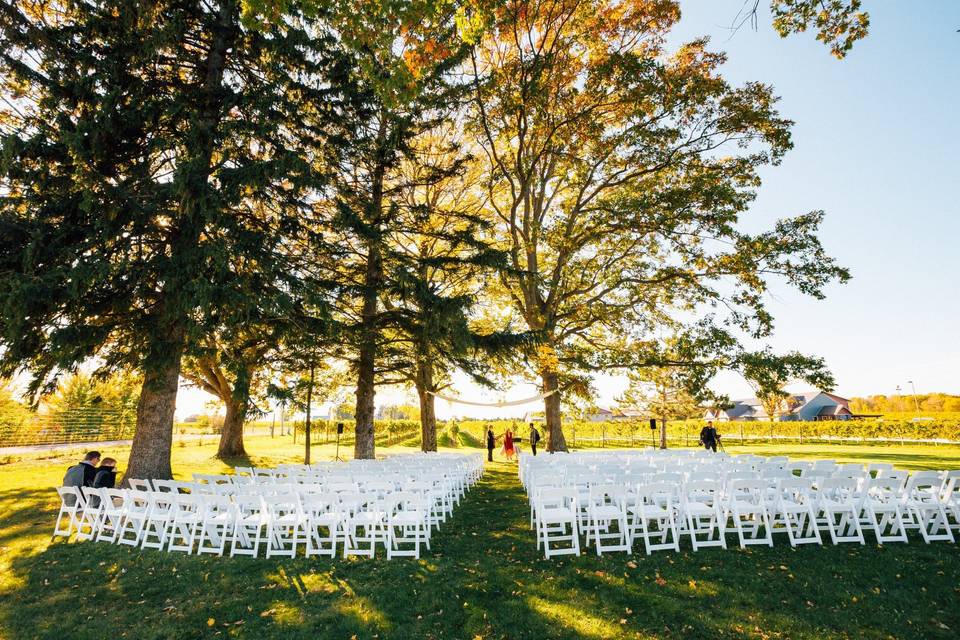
[484, 577]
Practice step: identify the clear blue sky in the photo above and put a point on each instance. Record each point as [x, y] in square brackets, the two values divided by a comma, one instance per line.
[875, 147]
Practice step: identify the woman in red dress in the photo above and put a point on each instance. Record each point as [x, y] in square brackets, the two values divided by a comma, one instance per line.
[508, 449]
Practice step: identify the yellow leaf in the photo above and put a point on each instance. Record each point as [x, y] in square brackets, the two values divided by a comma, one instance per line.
[211, 622]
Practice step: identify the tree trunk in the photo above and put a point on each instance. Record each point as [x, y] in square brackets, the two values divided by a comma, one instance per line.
[364, 446]
[153, 438]
[428, 417]
[150, 453]
[663, 432]
[231, 436]
[555, 439]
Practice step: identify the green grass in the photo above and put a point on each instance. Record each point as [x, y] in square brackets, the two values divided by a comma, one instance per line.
[484, 578]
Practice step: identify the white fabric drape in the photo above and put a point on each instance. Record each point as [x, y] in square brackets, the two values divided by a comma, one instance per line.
[506, 403]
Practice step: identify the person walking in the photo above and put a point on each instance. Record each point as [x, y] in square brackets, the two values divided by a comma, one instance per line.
[82, 473]
[709, 437]
[534, 438]
[491, 443]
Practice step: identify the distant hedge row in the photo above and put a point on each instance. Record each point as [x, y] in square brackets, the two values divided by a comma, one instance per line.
[638, 431]
[29, 429]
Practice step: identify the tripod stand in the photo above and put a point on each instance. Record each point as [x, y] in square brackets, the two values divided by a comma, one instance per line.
[339, 431]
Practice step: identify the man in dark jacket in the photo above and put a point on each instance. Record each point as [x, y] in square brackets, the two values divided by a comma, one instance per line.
[83, 473]
[106, 477]
[709, 437]
[491, 443]
[534, 438]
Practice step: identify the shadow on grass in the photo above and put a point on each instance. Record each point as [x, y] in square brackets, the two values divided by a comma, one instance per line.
[237, 461]
[485, 578]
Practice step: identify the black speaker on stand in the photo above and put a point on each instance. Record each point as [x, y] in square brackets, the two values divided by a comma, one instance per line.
[339, 432]
[653, 430]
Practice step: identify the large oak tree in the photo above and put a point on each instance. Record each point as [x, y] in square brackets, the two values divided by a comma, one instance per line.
[618, 172]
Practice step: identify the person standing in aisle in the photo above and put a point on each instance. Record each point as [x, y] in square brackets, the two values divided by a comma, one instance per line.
[534, 438]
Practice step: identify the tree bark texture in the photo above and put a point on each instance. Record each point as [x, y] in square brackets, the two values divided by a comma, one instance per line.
[428, 416]
[555, 439]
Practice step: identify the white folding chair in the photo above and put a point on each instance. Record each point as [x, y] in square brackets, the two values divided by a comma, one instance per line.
[248, 526]
[881, 510]
[217, 521]
[408, 523]
[653, 515]
[366, 525]
[158, 517]
[324, 522]
[184, 522]
[113, 508]
[794, 511]
[135, 518]
[91, 515]
[607, 519]
[702, 509]
[836, 503]
[950, 495]
[924, 508]
[285, 525]
[139, 485]
[746, 506]
[556, 514]
[72, 503]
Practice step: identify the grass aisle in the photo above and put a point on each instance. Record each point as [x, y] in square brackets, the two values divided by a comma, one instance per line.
[485, 579]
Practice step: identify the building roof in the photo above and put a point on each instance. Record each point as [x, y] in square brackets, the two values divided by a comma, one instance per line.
[833, 410]
[752, 407]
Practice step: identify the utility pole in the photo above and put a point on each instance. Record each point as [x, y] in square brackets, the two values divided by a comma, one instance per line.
[916, 402]
[306, 454]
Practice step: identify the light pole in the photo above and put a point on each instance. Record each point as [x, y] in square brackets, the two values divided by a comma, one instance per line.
[899, 399]
[916, 403]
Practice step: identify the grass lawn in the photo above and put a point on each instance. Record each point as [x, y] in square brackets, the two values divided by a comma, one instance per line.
[483, 579]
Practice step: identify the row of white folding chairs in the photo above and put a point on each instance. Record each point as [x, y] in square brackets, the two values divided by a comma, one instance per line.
[726, 475]
[441, 492]
[612, 517]
[468, 465]
[643, 465]
[461, 472]
[320, 522]
[437, 493]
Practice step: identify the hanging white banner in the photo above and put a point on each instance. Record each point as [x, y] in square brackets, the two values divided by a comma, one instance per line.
[507, 403]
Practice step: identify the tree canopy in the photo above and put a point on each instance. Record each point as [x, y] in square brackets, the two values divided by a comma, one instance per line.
[273, 198]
